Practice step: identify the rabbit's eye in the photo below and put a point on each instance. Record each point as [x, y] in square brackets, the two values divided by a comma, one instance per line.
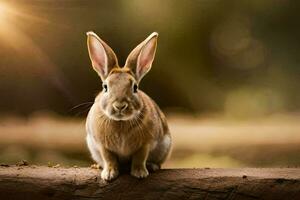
[104, 87]
[135, 87]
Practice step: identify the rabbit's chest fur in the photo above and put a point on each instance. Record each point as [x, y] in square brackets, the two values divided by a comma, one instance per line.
[122, 138]
[123, 141]
[125, 137]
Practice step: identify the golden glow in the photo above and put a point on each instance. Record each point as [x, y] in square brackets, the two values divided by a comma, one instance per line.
[7, 29]
[16, 38]
[3, 8]
[3, 13]
[23, 44]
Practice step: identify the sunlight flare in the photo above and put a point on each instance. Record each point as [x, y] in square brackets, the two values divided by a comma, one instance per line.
[3, 14]
[23, 44]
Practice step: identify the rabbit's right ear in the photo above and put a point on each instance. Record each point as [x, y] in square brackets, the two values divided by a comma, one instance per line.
[141, 57]
[102, 56]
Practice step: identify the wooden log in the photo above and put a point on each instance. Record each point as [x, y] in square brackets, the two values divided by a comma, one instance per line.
[38, 182]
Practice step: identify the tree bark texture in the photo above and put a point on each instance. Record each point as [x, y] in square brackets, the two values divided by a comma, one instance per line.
[38, 182]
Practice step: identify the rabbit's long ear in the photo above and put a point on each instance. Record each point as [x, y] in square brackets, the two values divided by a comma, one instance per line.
[140, 59]
[102, 56]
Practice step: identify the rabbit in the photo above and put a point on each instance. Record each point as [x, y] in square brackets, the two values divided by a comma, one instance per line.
[124, 125]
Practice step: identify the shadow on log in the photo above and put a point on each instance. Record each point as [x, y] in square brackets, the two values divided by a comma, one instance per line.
[35, 182]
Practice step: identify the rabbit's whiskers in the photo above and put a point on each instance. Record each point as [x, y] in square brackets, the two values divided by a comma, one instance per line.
[86, 106]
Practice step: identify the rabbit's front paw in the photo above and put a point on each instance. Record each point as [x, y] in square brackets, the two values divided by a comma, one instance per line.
[139, 172]
[109, 173]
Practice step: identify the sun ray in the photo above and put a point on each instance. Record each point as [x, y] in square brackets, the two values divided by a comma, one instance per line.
[15, 38]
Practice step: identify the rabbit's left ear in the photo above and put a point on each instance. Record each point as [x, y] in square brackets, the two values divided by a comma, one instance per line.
[140, 59]
[102, 56]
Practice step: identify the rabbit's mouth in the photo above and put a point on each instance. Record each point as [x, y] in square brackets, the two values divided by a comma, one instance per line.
[121, 116]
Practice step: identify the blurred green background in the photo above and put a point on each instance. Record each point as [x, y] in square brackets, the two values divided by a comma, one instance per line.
[223, 68]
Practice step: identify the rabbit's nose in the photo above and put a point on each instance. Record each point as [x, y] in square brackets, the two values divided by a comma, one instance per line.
[120, 106]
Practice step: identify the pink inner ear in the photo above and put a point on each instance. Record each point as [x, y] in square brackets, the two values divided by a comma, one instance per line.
[98, 55]
[146, 57]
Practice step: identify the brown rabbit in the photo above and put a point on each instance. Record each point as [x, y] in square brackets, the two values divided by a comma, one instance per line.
[125, 125]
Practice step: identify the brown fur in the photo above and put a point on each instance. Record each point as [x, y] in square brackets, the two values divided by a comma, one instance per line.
[141, 130]
[137, 134]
